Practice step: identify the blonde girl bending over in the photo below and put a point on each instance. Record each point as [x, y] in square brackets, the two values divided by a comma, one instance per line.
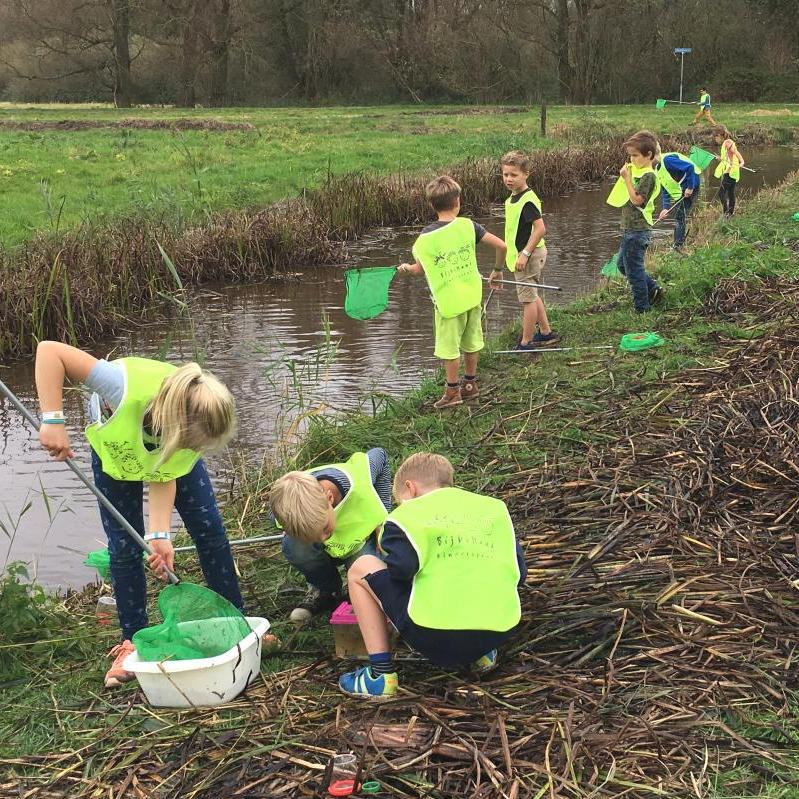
[150, 423]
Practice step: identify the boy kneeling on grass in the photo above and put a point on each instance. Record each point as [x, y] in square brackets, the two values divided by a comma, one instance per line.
[449, 582]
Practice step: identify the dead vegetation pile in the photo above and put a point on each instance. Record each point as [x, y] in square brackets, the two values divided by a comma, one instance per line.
[658, 648]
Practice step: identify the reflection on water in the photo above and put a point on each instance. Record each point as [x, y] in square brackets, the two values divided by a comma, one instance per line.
[271, 344]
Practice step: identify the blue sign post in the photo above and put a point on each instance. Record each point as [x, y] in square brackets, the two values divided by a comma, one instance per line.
[682, 52]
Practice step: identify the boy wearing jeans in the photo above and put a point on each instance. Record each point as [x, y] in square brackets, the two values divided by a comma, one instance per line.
[329, 516]
[635, 193]
[446, 254]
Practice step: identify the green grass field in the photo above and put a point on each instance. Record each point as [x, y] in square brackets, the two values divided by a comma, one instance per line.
[50, 179]
[550, 438]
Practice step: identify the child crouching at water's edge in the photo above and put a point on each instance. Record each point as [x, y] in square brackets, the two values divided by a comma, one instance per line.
[446, 254]
[150, 423]
[449, 582]
[329, 516]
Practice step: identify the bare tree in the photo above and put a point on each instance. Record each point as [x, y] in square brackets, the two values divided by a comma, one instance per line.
[219, 41]
[120, 18]
[75, 37]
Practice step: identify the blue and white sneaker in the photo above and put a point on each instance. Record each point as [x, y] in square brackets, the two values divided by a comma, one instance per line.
[486, 663]
[362, 685]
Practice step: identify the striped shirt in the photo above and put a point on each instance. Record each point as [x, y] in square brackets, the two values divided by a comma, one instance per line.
[379, 469]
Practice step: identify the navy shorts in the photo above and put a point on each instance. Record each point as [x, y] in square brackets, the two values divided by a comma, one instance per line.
[443, 647]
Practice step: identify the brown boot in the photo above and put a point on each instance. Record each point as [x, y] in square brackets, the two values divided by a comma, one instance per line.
[451, 398]
[469, 390]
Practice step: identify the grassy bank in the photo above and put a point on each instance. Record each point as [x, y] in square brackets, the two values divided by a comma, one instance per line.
[83, 282]
[59, 176]
[655, 497]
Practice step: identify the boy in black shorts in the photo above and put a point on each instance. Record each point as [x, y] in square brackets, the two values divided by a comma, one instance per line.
[449, 582]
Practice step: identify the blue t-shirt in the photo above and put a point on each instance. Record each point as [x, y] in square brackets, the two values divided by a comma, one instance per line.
[682, 170]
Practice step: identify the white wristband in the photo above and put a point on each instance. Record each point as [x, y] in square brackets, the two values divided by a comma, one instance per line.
[52, 416]
[158, 536]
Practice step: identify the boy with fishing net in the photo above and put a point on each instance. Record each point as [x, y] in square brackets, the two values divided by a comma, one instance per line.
[150, 423]
[704, 108]
[446, 254]
[527, 252]
[635, 192]
[449, 581]
[680, 182]
[329, 516]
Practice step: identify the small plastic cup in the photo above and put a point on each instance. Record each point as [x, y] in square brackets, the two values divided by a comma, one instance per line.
[106, 611]
[344, 767]
[342, 776]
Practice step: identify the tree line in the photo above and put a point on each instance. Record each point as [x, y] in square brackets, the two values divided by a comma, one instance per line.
[252, 52]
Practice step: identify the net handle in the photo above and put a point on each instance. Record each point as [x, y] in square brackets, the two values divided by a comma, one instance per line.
[102, 499]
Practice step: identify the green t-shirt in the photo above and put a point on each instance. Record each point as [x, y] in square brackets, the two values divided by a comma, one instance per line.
[631, 216]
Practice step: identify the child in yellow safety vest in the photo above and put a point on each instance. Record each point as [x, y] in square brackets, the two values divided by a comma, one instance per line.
[635, 192]
[527, 251]
[150, 423]
[704, 108]
[449, 581]
[680, 182]
[446, 254]
[329, 516]
[728, 169]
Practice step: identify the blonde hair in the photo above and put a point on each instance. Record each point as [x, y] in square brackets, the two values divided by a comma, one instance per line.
[516, 158]
[426, 468]
[300, 505]
[442, 193]
[192, 410]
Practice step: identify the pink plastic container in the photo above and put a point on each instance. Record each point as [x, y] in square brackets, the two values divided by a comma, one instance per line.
[346, 633]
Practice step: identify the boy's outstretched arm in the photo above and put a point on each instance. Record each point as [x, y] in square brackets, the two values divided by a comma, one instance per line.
[411, 269]
[500, 248]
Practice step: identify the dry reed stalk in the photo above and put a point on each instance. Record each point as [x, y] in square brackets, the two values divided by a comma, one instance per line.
[660, 618]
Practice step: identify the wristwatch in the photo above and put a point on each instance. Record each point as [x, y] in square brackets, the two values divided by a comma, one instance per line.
[526, 254]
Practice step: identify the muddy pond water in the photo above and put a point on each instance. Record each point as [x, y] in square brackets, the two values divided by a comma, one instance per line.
[284, 345]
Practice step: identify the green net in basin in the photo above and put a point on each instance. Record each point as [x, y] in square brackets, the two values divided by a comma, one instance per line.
[198, 623]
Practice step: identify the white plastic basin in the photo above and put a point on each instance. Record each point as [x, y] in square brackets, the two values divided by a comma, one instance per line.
[202, 682]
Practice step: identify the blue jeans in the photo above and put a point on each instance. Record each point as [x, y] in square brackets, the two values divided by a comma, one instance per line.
[634, 244]
[320, 569]
[683, 209]
[196, 504]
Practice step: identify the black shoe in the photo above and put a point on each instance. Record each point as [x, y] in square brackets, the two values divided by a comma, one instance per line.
[542, 339]
[656, 295]
[314, 603]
